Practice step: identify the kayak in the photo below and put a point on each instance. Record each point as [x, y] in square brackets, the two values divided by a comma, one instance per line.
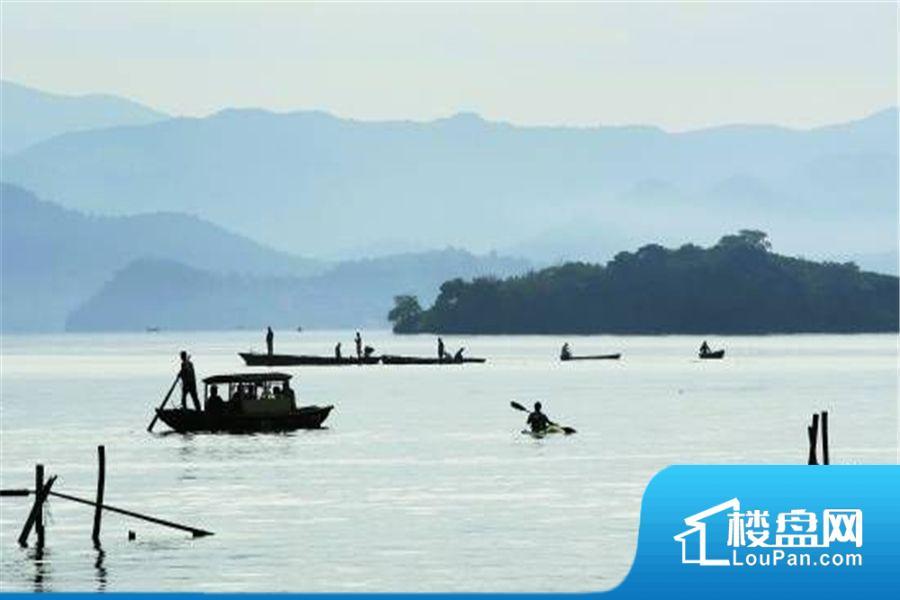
[389, 359]
[552, 429]
[594, 357]
[716, 354]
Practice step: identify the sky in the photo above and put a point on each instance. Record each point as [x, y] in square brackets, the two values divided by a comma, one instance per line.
[678, 66]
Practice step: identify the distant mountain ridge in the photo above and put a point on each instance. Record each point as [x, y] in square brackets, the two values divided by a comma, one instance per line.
[315, 184]
[30, 116]
[170, 295]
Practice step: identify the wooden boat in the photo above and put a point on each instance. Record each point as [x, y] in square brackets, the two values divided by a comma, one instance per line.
[254, 359]
[256, 404]
[389, 359]
[716, 354]
[594, 357]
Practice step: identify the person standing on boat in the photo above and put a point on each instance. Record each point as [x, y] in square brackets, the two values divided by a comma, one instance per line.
[188, 382]
[359, 346]
[537, 420]
[440, 349]
[337, 351]
[270, 340]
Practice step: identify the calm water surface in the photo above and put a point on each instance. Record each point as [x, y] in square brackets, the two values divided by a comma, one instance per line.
[422, 481]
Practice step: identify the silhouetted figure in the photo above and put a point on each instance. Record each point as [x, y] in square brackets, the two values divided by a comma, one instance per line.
[440, 349]
[537, 420]
[368, 351]
[566, 352]
[337, 351]
[214, 403]
[288, 391]
[359, 345]
[458, 357]
[704, 348]
[188, 381]
[270, 340]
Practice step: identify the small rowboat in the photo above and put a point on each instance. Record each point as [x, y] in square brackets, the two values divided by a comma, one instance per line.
[551, 429]
[254, 359]
[389, 359]
[716, 354]
[616, 356]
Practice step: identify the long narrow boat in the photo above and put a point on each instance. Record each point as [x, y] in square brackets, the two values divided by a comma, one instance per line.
[594, 357]
[389, 359]
[255, 359]
[257, 404]
[716, 354]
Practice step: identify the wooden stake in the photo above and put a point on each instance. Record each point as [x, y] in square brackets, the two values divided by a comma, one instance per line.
[129, 513]
[813, 433]
[40, 496]
[101, 484]
[825, 437]
[39, 505]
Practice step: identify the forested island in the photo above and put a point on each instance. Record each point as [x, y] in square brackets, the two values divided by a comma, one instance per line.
[737, 286]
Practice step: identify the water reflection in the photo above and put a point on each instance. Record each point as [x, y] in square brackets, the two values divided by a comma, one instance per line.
[41, 577]
[100, 573]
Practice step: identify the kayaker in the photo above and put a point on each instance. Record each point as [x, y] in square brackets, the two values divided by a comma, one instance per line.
[440, 349]
[537, 420]
[458, 357]
[188, 382]
[337, 351]
[704, 348]
[359, 346]
[566, 352]
[270, 340]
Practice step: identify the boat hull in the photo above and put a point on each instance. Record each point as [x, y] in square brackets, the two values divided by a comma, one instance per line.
[253, 359]
[594, 357]
[388, 359]
[192, 421]
[711, 355]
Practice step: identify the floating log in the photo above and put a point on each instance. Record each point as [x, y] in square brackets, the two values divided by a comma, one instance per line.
[195, 532]
[15, 492]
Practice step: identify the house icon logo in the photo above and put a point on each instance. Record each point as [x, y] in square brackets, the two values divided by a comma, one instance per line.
[693, 540]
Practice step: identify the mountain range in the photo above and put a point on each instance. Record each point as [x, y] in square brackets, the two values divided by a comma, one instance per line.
[317, 185]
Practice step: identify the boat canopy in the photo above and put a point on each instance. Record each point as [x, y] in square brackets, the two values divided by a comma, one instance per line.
[247, 378]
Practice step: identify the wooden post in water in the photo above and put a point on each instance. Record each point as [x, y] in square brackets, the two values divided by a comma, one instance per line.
[101, 484]
[39, 505]
[813, 433]
[40, 495]
[825, 437]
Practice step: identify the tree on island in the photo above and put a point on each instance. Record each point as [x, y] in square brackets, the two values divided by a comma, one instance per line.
[736, 286]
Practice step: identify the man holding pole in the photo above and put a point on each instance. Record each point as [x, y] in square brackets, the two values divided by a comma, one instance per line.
[188, 382]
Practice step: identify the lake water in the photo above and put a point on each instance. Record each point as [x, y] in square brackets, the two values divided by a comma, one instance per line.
[422, 482]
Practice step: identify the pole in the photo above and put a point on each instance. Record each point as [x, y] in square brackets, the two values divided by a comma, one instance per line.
[39, 505]
[825, 460]
[101, 484]
[813, 433]
[128, 513]
[40, 495]
[165, 400]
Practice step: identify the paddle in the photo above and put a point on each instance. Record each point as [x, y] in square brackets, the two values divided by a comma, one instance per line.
[163, 405]
[517, 406]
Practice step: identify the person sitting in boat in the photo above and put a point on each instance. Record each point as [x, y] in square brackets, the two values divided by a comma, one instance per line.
[704, 348]
[188, 382]
[288, 392]
[337, 351]
[368, 351]
[214, 403]
[537, 420]
[566, 352]
[458, 357]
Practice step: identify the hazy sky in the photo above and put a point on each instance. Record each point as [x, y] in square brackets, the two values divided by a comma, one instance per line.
[675, 65]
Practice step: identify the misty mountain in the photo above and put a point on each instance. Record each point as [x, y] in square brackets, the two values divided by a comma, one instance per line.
[54, 258]
[30, 116]
[315, 184]
[170, 295]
